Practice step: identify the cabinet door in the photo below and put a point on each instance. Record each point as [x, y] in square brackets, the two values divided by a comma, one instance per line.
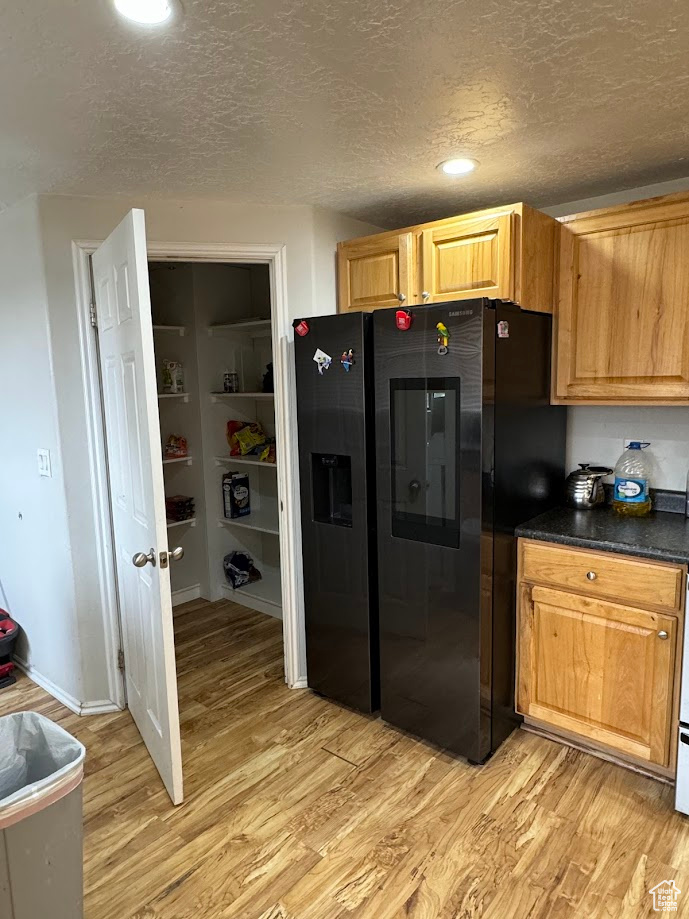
[599, 670]
[623, 332]
[468, 258]
[375, 273]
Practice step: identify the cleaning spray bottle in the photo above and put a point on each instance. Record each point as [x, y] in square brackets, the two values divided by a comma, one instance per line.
[631, 493]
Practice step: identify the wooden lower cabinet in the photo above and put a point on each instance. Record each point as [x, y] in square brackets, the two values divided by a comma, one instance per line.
[602, 672]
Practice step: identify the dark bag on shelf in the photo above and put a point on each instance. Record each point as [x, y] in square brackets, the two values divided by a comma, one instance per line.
[239, 569]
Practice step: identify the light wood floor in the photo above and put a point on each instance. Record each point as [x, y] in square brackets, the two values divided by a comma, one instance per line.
[298, 808]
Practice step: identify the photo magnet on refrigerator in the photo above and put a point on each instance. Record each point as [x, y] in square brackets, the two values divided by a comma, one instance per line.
[323, 360]
[347, 359]
[443, 337]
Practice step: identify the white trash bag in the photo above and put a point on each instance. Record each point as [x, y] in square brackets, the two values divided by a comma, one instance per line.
[39, 764]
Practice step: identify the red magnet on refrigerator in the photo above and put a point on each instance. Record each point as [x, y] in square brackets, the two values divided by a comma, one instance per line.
[403, 320]
[302, 328]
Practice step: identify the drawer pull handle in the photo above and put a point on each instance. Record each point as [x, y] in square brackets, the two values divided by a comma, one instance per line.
[663, 635]
[591, 575]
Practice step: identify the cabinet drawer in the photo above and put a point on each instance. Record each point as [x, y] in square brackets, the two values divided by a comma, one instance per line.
[599, 574]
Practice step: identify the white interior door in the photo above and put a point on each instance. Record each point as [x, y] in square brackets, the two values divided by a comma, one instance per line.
[137, 496]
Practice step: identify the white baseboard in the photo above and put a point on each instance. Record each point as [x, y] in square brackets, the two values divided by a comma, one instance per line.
[268, 607]
[261, 606]
[301, 683]
[74, 705]
[186, 594]
[69, 701]
[99, 708]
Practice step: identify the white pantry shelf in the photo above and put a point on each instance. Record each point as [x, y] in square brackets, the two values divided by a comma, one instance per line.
[242, 461]
[177, 329]
[184, 396]
[263, 520]
[191, 522]
[255, 327]
[221, 396]
[188, 460]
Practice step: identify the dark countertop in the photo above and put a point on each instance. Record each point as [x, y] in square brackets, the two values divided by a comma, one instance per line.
[662, 535]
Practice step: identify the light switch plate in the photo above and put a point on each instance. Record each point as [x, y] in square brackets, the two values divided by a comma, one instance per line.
[44, 465]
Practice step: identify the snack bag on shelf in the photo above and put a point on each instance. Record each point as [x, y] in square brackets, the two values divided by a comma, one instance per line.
[239, 569]
[267, 455]
[244, 437]
[175, 447]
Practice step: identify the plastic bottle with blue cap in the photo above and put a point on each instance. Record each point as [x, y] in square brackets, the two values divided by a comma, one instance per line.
[631, 492]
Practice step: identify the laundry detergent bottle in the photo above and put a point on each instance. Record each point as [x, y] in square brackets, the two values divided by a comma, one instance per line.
[631, 493]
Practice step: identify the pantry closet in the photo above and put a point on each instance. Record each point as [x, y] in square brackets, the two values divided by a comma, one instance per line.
[212, 333]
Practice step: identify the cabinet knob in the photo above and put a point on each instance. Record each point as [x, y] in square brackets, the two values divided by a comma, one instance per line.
[662, 635]
[401, 298]
[425, 294]
[591, 575]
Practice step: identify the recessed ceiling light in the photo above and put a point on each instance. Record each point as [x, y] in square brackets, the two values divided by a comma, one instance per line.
[458, 167]
[145, 12]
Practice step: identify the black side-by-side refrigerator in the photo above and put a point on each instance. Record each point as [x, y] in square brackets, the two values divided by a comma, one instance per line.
[466, 447]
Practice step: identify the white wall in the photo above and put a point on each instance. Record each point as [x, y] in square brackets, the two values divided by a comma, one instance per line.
[329, 228]
[36, 572]
[595, 433]
[310, 289]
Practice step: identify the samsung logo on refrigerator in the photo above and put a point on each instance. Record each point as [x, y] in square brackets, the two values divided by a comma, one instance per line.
[461, 313]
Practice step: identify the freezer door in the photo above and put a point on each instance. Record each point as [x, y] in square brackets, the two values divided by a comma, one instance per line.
[338, 508]
[434, 471]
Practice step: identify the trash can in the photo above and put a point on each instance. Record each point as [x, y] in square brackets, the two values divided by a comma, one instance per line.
[41, 854]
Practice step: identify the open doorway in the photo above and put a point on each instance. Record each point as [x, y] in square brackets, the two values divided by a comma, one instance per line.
[216, 397]
[220, 315]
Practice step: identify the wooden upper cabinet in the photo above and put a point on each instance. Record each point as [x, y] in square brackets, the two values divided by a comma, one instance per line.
[471, 257]
[599, 670]
[503, 253]
[623, 319]
[375, 272]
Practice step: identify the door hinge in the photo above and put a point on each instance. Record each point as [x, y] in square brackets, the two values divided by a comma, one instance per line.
[93, 315]
[120, 660]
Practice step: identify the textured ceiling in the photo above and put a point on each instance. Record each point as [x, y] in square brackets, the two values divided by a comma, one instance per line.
[348, 104]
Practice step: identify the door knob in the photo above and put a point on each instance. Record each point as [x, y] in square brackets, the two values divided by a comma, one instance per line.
[177, 554]
[141, 559]
[663, 635]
